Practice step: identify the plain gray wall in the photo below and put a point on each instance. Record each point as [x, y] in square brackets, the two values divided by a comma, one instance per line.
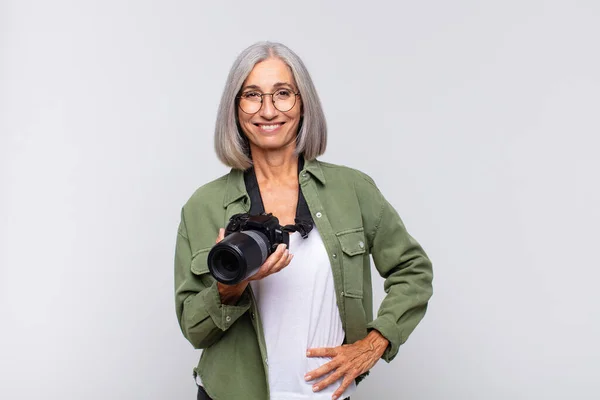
[478, 120]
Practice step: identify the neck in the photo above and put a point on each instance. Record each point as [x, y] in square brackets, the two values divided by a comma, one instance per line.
[276, 167]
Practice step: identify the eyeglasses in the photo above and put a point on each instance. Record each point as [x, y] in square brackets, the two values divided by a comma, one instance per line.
[283, 99]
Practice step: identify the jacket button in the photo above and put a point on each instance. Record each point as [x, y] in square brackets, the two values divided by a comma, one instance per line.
[361, 244]
[318, 215]
[252, 315]
[228, 318]
[334, 255]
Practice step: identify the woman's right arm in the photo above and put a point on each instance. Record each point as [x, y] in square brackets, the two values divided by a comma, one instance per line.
[202, 317]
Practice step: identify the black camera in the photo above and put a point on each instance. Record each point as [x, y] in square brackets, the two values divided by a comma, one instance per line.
[249, 240]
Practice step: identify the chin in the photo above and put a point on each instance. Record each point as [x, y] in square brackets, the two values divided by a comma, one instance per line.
[272, 146]
[273, 142]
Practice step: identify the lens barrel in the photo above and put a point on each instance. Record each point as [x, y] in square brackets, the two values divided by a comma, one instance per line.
[238, 256]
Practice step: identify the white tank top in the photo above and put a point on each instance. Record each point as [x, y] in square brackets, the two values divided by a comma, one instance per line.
[298, 311]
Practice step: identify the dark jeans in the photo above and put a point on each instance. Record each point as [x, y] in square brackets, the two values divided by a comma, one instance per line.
[203, 396]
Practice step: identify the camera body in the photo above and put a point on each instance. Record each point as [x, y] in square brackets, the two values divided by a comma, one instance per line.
[249, 240]
[267, 224]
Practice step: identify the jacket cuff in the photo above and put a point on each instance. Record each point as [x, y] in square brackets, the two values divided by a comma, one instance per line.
[223, 315]
[389, 331]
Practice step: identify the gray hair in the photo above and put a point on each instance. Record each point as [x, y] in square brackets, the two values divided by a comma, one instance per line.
[230, 143]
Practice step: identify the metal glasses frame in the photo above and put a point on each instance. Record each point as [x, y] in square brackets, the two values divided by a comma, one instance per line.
[296, 94]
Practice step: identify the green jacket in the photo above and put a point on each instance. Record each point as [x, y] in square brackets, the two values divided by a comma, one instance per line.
[353, 219]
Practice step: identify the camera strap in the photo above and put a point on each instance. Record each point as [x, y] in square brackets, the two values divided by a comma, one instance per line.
[303, 221]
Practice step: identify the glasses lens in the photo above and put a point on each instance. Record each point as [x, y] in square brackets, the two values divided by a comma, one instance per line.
[284, 100]
[250, 102]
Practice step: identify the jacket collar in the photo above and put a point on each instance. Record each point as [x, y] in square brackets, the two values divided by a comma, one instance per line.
[236, 188]
[313, 167]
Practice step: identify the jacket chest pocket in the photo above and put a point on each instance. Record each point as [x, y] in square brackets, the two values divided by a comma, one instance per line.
[353, 245]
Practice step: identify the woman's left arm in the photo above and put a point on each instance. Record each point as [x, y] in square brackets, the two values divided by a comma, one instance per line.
[408, 275]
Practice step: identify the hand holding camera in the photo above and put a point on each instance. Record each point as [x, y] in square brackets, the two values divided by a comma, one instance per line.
[252, 247]
[280, 259]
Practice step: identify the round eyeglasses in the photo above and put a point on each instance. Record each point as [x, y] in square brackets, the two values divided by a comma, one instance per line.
[284, 100]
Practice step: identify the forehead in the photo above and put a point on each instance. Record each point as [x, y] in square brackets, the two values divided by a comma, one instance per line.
[267, 73]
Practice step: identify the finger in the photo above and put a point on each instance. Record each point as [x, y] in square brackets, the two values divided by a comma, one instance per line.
[283, 262]
[265, 269]
[322, 370]
[328, 381]
[289, 260]
[273, 260]
[221, 235]
[348, 378]
[322, 352]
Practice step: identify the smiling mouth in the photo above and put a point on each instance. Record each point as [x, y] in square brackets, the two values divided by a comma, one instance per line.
[269, 127]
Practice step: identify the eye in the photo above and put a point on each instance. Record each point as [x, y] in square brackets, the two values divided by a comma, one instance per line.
[283, 93]
[251, 95]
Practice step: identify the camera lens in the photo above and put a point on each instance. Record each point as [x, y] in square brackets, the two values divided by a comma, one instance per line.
[238, 256]
[226, 263]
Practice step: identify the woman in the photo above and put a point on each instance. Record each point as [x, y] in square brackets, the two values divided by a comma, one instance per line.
[302, 326]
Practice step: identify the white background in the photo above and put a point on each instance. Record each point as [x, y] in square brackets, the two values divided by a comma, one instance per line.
[478, 120]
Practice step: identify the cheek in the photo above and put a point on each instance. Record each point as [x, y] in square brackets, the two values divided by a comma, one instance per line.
[296, 118]
[243, 122]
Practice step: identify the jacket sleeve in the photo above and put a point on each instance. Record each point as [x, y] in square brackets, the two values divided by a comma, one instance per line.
[202, 318]
[407, 271]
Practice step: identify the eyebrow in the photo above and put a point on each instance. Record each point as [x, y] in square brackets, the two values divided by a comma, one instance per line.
[276, 85]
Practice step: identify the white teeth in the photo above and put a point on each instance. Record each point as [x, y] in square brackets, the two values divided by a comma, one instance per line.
[269, 127]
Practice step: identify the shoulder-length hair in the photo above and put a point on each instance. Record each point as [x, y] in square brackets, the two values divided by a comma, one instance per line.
[230, 142]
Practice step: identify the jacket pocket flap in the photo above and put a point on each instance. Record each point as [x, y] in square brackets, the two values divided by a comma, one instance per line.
[352, 241]
[200, 262]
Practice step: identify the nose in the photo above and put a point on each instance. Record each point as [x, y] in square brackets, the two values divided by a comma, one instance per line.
[267, 108]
